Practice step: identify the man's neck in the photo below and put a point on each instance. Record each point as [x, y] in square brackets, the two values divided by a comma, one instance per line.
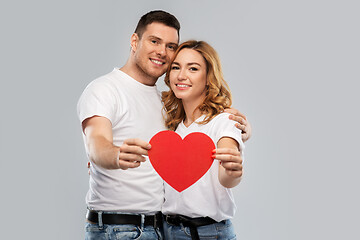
[138, 74]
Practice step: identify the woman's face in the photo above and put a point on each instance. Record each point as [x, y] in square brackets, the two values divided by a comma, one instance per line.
[188, 76]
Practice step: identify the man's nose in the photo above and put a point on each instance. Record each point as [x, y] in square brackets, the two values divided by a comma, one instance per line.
[161, 50]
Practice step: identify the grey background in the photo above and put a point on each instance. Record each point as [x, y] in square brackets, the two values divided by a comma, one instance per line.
[293, 67]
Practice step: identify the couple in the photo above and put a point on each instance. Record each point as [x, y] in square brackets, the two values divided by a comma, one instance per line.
[122, 110]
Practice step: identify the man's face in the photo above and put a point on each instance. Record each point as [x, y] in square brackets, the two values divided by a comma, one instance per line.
[155, 50]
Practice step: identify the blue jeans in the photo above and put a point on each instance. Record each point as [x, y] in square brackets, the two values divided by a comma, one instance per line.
[223, 230]
[110, 232]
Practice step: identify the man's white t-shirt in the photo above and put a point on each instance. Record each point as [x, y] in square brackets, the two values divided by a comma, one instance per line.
[207, 197]
[134, 110]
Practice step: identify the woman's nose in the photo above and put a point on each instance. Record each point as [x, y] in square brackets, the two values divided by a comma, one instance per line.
[182, 75]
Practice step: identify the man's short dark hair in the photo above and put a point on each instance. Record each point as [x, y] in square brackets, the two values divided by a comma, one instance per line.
[157, 16]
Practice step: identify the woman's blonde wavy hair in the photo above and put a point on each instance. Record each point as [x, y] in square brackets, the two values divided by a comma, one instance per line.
[218, 95]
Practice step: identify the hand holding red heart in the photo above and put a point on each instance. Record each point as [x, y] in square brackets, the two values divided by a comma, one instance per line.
[181, 162]
[230, 169]
[132, 153]
[231, 160]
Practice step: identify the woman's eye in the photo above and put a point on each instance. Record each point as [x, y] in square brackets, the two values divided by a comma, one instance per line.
[174, 68]
[193, 69]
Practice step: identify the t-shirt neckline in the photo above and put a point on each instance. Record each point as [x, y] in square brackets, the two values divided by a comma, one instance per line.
[132, 81]
[199, 119]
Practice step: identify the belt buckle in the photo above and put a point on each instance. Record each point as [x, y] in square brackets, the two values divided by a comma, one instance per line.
[173, 220]
[169, 219]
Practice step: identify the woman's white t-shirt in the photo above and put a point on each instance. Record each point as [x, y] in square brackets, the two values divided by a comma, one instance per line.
[207, 197]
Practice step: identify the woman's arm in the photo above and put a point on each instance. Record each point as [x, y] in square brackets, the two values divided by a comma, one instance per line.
[230, 169]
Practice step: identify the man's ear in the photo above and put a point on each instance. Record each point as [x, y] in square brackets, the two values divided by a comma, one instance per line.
[134, 40]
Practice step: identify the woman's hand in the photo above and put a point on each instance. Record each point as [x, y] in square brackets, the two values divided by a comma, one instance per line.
[230, 159]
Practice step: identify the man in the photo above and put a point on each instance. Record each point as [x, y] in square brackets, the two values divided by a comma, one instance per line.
[120, 112]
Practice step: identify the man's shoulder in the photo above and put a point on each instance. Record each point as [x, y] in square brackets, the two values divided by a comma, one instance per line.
[110, 79]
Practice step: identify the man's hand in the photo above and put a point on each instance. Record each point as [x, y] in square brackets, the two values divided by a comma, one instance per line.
[102, 151]
[132, 153]
[242, 124]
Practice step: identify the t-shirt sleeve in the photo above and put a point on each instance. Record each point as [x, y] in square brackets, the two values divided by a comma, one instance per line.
[98, 99]
[226, 128]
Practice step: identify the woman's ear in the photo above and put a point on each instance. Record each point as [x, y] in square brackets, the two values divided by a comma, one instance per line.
[134, 40]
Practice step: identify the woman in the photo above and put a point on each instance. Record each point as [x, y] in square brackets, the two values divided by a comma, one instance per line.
[195, 102]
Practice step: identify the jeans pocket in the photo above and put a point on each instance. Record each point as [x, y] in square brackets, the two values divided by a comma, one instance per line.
[226, 230]
[94, 228]
[207, 232]
[94, 232]
[127, 232]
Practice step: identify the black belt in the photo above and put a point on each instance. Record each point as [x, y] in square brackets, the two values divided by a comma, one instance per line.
[113, 218]
[192, 223]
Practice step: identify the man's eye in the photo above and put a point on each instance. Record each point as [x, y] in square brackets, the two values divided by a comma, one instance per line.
[172, 47]
[154, 41]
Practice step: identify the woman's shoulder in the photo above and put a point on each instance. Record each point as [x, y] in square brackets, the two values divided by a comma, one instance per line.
[221, 117]
[221, 121]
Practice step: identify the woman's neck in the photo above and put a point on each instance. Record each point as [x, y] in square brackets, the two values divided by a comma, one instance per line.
[192, 112]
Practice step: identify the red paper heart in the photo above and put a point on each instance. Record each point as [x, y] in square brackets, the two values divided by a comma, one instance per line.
[179, 162]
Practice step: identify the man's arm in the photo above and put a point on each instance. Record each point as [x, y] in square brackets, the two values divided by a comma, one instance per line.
[243, 124]
[102, 151]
